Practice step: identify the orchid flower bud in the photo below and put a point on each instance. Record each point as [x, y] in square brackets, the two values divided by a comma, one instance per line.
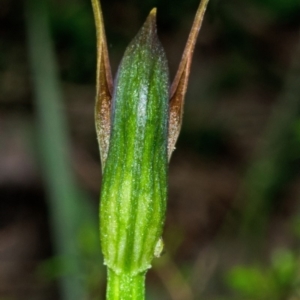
[134, 187]
[138, 120]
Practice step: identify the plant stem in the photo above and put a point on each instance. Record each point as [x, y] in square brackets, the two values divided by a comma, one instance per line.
[64, 202]
[125, 286]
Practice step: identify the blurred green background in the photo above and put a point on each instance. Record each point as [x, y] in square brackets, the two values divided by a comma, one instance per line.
[233, 220]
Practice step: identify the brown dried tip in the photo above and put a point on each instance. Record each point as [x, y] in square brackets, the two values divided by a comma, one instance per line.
[179, 85]
[153, 12]
[104, 85]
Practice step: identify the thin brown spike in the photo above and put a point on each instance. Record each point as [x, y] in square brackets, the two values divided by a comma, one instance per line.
[179, 85]
[104, 85]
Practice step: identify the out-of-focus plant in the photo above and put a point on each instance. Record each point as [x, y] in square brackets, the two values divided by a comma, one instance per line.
[67, 210]
[272, 167]
[278, 281]
[138, 120]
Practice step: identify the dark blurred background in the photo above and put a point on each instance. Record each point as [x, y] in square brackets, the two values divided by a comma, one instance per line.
[233, 220]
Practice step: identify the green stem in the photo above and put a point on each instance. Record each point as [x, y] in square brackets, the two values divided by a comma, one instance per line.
[66, 208]
[125, 286]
